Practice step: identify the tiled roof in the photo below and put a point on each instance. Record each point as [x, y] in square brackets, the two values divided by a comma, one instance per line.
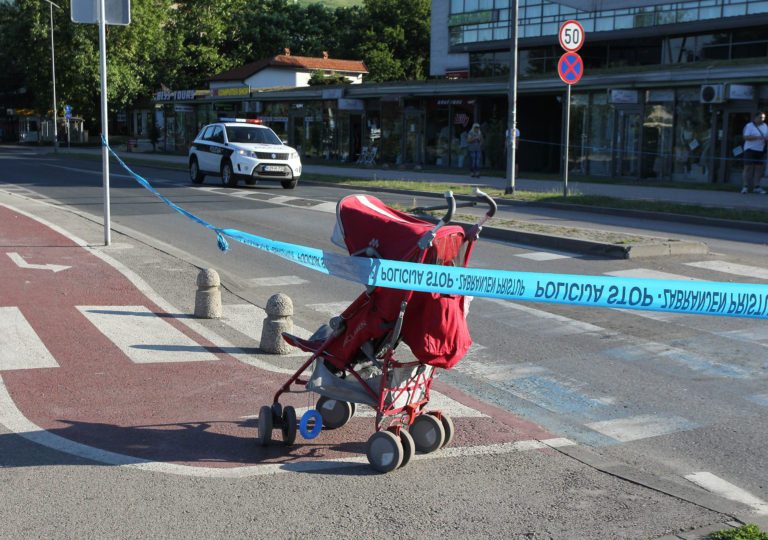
[287, 61]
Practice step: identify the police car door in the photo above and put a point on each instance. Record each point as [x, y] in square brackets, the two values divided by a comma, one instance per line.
[213, 150]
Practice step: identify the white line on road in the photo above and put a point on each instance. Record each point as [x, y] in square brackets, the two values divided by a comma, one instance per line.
[640, 427]
[732, 268]
[20, 346]
[718, 486]
[276, 281]
[543, 256]
[143, 336]
[21, 263]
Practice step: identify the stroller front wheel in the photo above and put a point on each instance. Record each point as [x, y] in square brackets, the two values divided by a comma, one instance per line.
[428, 433]
[265, 425]
[384, 451]
[289, 425]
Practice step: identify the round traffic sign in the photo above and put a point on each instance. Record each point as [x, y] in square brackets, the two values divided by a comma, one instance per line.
[571, 36]
[570, 67]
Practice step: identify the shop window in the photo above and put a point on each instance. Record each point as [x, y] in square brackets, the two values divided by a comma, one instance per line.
[692, 137]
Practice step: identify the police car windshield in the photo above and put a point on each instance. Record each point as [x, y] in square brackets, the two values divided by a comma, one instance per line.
[252, 135]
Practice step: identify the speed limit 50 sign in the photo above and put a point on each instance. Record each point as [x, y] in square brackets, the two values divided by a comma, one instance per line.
[571, 36]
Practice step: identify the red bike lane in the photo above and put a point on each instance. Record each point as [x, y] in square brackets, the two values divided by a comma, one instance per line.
[200, 412]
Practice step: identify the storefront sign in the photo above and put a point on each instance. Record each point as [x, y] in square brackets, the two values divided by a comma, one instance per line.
[741, 91]
[623, 96]
[660, 96]
[346, 104]
[170, 95]
[230, 92]
[457, 74]
[183, 108]
[461, 119]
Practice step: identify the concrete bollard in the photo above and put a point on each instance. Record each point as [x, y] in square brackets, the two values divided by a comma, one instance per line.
[208, 296]
[279, 313]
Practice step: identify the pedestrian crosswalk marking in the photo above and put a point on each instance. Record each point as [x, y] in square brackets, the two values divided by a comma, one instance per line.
[718, 486]
[143, 336]
[641, 427]
[646, 273]
[20, 346]
[276, 281]
[330, 308]
[732, 268]
[543, 256]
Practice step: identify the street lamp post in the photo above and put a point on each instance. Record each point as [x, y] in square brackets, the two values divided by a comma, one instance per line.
[53, 79]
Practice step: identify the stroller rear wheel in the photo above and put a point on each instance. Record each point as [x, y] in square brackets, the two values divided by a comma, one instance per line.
[428, 433]
[448, 427]
[335, 413]
[265, 425]
[384, 451]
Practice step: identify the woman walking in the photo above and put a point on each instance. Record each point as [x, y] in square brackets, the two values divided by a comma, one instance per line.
[475, 147]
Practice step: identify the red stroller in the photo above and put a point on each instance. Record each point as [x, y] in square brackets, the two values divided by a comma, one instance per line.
[352, 358]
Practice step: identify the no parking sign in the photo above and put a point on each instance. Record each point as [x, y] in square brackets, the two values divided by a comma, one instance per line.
[570, 68]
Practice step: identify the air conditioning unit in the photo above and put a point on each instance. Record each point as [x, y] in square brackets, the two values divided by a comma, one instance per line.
[712, 93]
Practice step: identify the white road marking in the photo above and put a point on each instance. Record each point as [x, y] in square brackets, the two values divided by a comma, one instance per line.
[331, 308]
[760, 399]
[327, 207]
[646, 273]
[20, 346]
[543, 256]
[640, 427]
[276, 281]
[718, 486]
[564, 326]
[143, 336]
[732, 268]
[21, 263]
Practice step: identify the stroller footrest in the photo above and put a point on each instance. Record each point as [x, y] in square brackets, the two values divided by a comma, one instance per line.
[303, 344]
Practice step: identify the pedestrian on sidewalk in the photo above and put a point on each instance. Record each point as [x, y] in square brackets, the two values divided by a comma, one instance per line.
[475, 148]
[755, 134]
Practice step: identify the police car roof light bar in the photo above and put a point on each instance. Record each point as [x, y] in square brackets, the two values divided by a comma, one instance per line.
[244, 120]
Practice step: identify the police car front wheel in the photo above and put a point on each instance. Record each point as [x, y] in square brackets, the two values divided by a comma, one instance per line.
[228, 176]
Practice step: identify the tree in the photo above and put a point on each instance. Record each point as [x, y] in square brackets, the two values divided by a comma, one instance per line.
[395, 42]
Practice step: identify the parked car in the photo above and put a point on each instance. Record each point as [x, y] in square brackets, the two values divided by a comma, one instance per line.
[238, 148]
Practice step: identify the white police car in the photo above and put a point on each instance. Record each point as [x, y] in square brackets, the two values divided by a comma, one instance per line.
[238, 148]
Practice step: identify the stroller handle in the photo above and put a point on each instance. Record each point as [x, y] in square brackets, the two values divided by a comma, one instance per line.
[426, 240]
[451, 207]
[486, 199]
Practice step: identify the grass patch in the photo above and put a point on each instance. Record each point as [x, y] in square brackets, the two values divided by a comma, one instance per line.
[557, 197]
[745, 532]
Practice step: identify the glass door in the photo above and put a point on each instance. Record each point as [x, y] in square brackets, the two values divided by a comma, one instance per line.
[414, 137]
[731, 147]
[626, 159]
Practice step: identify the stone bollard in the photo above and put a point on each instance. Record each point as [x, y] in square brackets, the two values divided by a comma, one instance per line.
[208, 296]
[279, 313]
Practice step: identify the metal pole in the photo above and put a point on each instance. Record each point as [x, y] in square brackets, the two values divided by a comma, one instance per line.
[104, 119]
[512, 108]
[567, 138]
[53, 78]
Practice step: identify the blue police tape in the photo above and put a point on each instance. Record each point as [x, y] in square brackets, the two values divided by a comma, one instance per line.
[691, 297]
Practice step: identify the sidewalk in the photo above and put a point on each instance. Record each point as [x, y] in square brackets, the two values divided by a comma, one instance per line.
[703, 197]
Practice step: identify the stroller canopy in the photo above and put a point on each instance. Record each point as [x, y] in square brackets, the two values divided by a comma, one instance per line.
[363, 221]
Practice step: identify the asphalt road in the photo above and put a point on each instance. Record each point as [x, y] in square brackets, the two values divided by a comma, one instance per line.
[640, 410]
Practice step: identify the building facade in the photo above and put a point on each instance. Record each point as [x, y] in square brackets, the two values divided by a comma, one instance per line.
[666, 91]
